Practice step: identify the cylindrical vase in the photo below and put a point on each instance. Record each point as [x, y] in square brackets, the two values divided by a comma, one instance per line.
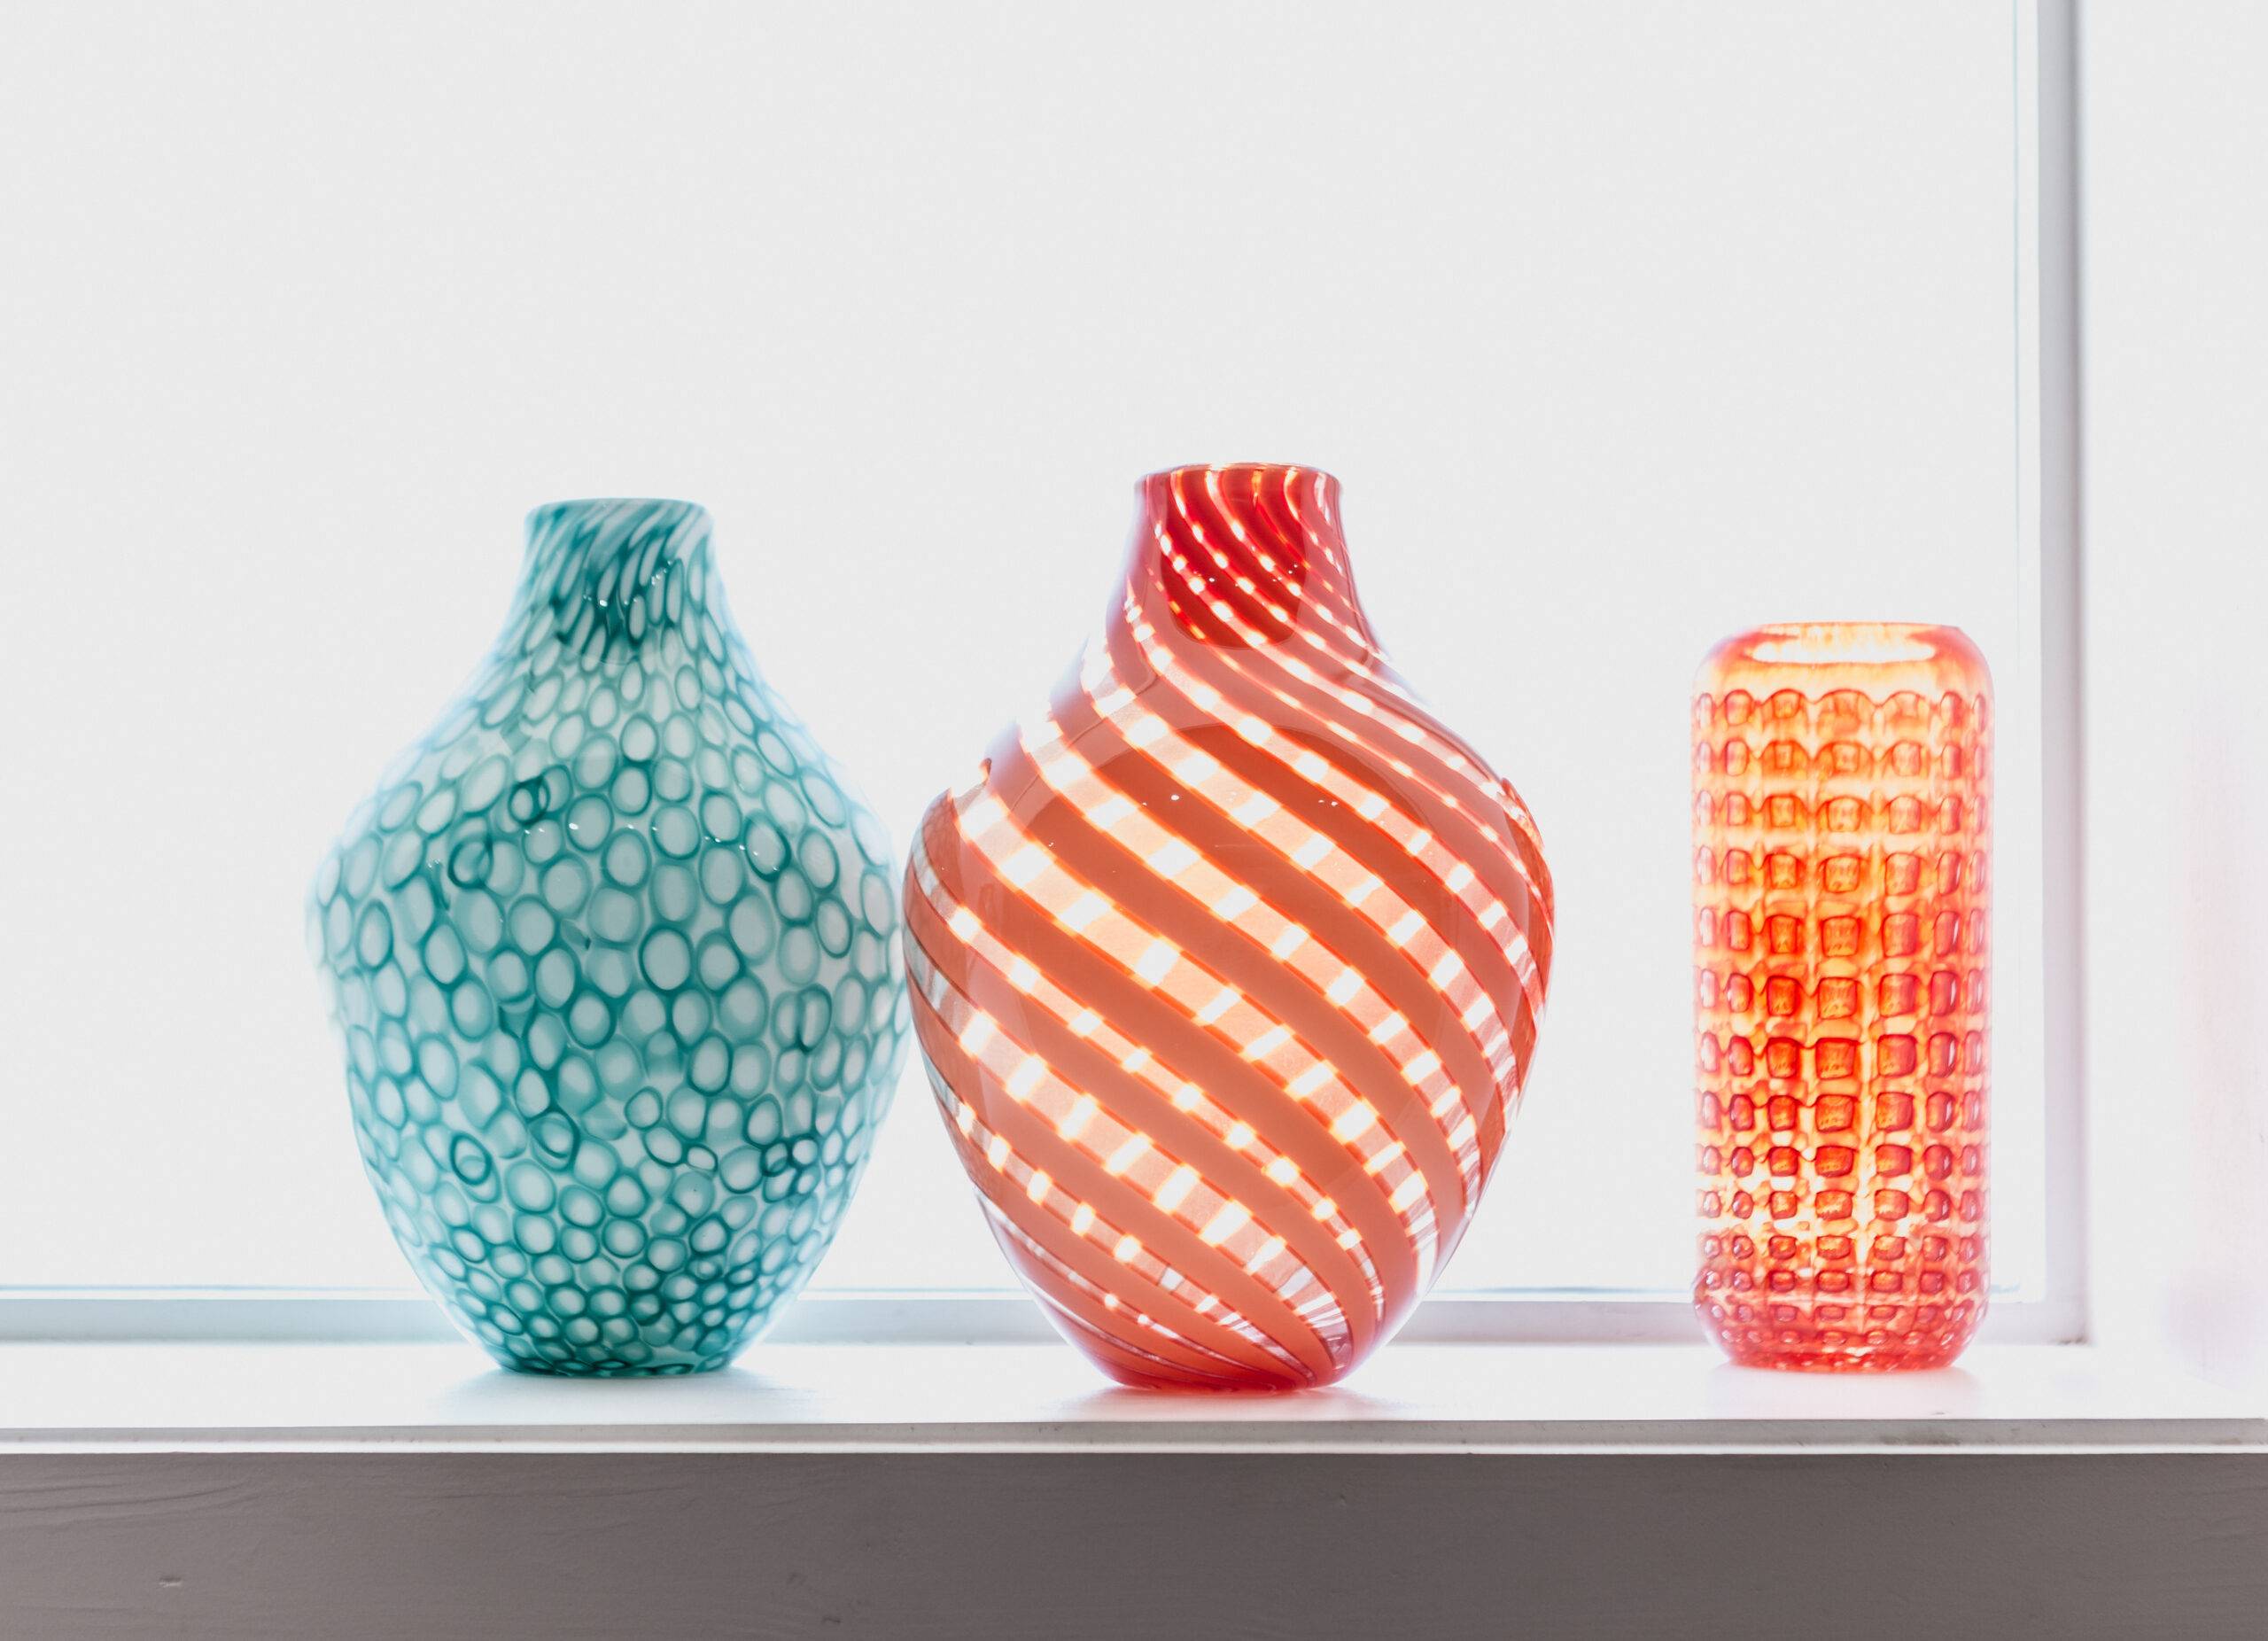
[1842, 881]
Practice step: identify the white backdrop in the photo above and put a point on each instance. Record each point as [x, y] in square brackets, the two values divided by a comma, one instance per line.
[1624, 328]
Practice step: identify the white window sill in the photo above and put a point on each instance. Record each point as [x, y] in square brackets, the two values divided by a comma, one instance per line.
[1002, 1492]
[1413, 1398]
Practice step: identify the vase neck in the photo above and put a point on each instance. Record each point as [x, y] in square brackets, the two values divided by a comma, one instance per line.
[1246, 557]
[609, 578]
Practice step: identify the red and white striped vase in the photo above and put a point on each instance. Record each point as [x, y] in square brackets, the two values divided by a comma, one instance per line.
[1228, 967]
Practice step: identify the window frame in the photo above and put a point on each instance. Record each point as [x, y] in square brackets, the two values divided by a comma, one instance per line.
[2048, 488]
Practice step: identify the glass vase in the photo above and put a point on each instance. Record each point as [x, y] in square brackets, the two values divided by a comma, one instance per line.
[1228, 965]
[612, 951]
[1842, 881]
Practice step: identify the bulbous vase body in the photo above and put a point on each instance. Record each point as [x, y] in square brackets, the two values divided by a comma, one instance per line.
[612, 951]
[1229, 965]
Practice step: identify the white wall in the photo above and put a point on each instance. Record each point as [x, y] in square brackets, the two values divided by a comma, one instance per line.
[2175, 411]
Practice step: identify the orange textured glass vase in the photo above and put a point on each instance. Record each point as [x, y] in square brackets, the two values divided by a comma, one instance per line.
[1842, 834]
[1228, 965]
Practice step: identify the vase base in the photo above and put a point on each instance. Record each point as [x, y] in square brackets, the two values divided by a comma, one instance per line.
[1857, 1360]
[1840, 1338]
[1201, 1388]
[1132, 1372]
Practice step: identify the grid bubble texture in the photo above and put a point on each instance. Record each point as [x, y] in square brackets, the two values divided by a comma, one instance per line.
[1842, 910]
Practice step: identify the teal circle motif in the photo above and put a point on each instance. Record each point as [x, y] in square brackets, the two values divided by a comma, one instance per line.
[615, 962]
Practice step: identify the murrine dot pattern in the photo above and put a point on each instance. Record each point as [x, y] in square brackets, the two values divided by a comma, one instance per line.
[614, 953]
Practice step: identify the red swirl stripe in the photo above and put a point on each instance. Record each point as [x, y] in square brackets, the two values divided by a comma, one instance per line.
[1229, 966]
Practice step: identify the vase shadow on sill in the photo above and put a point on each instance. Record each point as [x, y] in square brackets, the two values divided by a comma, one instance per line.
[490, 1389]
[1138, 1402]
[489, 1393]
[1744, 1390]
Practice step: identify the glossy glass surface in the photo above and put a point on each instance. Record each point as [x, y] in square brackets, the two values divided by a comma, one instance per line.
[1842, 827]
[1228, 966]
[613, 954]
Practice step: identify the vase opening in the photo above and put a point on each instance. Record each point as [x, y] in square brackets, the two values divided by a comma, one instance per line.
[1844, 643]
[1245, 556]
[1875, 658]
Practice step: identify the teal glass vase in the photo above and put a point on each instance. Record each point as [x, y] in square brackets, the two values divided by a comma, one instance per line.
[614, 954]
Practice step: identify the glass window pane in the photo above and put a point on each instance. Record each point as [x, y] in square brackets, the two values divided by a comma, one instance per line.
[1624, 328]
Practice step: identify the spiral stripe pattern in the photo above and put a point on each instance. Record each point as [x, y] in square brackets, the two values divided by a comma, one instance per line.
[1228, 967]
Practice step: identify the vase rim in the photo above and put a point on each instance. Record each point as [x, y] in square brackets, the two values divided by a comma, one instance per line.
[1849, 643]
[683, 509]
[1285, 469]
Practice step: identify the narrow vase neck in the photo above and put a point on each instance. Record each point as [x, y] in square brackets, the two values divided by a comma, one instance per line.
[1246, 557]
[609, 578]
